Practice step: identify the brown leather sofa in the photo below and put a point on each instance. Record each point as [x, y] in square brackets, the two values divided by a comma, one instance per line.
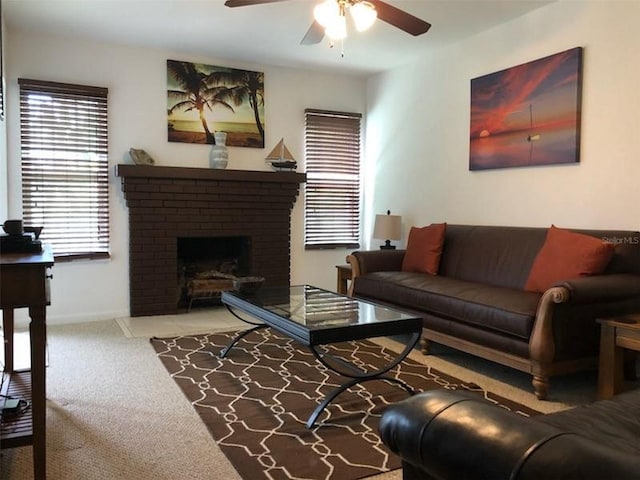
[477, 302]
[445, 434]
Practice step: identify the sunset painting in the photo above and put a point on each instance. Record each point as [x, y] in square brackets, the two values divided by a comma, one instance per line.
[203, 99]
[528, 114]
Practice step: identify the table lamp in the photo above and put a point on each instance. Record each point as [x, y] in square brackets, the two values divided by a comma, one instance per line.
[388, 227]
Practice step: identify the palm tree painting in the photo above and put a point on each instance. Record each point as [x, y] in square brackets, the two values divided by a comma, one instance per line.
[528, 114]
[203, 98]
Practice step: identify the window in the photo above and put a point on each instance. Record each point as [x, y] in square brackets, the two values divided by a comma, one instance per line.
[63, 131]
[332, 198]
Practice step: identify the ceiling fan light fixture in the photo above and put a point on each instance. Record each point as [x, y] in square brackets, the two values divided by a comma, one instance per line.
[337, 30]
[364, 15]
[326, 13]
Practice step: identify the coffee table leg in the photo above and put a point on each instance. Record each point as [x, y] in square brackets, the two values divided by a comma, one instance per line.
[334, 393]
[241, 335]
[361, 376]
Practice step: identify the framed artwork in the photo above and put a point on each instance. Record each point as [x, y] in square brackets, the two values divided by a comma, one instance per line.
[203, 99]
[528, 114]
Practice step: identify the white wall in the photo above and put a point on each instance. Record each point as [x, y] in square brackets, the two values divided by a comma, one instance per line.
[136, 78]
[419, 118]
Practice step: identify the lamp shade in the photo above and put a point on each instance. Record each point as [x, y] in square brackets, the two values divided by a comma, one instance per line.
[364, 15]
[325, 13]
[388, 227]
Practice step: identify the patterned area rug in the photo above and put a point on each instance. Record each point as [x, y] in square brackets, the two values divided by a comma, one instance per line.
[256, 401]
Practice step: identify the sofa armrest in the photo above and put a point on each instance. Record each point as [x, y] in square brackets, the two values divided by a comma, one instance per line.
[542, 346]
[602, 288]
[367, 261]
[451, 435]
[615, 289]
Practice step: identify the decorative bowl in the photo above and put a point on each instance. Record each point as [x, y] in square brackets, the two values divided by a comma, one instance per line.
[248, 284]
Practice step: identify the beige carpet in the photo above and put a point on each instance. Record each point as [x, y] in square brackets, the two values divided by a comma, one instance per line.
[113, 412]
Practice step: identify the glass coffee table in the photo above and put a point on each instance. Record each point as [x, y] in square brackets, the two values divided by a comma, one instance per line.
[315, 318]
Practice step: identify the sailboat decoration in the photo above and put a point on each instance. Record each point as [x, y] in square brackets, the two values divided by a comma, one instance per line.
[280, 157]
[532, 137]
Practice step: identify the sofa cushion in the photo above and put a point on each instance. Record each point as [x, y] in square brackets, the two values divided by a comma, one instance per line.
[566, 255]
[626, 256]
[424, 249]
[494, 308]
[615, 422]
[500, 256]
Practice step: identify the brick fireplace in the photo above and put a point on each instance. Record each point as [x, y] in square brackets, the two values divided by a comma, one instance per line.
[170, 203]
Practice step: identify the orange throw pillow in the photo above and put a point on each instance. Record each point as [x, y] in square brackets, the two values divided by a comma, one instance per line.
[424, 249]
[567, 255]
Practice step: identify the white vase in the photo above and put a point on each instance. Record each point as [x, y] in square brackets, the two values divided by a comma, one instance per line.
[219, 155]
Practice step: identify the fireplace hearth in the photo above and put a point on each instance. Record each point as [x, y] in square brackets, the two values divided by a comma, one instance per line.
[168, 205]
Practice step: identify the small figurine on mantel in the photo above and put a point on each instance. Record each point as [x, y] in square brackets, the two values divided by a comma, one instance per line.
[280, 158]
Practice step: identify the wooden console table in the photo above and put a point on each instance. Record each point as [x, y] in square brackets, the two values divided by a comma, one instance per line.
[616, 335]
[24, 283]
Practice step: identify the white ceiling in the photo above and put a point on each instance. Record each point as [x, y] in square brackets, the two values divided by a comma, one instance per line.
[266, 34]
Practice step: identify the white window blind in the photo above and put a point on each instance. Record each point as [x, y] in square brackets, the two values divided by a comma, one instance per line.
[64, 137]
[332, 190]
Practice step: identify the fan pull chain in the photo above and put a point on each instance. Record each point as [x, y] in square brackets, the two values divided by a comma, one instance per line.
[331, 45]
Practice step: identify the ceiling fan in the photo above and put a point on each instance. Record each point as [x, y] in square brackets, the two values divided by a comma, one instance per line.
[330, 17]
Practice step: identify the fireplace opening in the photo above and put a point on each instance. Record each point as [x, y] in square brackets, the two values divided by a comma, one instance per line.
[207, 267]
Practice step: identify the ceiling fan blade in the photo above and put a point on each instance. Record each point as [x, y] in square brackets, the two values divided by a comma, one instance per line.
[400, 19]
[314, 35]
[245, 3]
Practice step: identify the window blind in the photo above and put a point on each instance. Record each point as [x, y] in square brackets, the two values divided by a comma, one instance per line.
[332, 191]
[63, 139]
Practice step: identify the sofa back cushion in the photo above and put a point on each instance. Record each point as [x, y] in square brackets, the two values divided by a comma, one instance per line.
[500, 256]
[626, 255]
[503, 256]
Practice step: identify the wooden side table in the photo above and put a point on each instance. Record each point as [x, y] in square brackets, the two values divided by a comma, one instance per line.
[24, 283]
[344, 276]
[616, 335]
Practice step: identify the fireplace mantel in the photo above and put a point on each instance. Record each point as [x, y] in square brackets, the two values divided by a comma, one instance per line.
[167, 203]
[147, 171]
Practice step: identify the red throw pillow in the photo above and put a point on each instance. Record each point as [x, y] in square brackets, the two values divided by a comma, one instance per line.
[424, 249]
[567, 255]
